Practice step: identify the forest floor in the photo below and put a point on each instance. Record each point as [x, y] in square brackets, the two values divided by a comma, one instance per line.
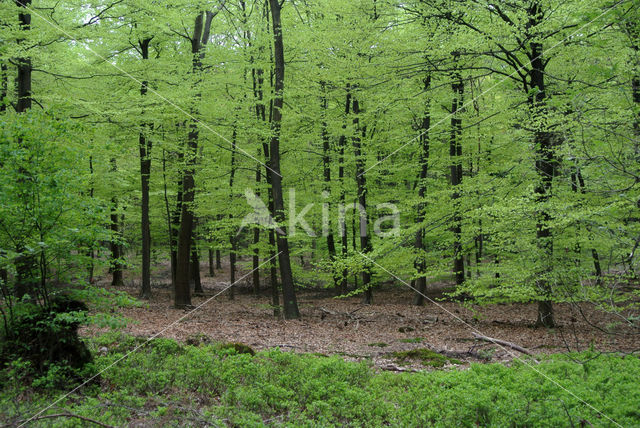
[374, 332]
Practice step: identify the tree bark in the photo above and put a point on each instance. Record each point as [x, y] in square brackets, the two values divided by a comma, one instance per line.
[25, 263]
[326, 166]
[455, 154]
[116, 263]
[361, 183]
[145, 172]
[546, 168]
[344, 241]
[195, 270]
[288, 291]
[421, 280]
[256, 240]
[182, 294]
[24, 63]
[212, 272]
[232, 237]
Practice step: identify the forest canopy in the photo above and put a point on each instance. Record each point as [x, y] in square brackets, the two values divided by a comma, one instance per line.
[489, 146]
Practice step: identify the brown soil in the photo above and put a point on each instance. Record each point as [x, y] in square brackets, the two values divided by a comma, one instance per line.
[346, 327]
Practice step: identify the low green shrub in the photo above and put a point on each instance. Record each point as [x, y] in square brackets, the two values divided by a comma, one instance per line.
[167, 383]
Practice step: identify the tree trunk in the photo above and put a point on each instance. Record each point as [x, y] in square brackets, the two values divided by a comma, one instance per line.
[288, 291]
[25, 263]
[218, 260]
[256, 240]
[90, 252]
[212, 272]
[326, 166]
[344, 241]
[455, 154]
[4, 87]
[24, 63]
[361, 183]
[546, 168]
[421, 280]
[116, 263]
[145, 172]
[232, 237]
[195, 270]
[182, 295]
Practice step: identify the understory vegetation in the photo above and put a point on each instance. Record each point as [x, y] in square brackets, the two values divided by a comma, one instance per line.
[166, 383]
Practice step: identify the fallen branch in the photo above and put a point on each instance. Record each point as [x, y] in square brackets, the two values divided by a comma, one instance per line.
[394, 368]
[66, 415]
[503, 343]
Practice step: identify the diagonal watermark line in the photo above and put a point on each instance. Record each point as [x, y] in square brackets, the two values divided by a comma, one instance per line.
[149, 88]
[500, 82]
[182, 318]
[472, 328]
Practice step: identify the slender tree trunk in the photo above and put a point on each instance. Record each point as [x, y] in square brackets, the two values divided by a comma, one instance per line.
[421, 280]
[116, 255]
[455, 154]
[288, 291]
[344, 241]
[546, 168]
[172, 252]
[232, 237]
[256, 240]
[182, 295]
[4, 87]
[25, 263]
[145, 172]
[326, 165]
[24, 63]
[218, 260]
[361, 183]
[195, 269]
[90, 252]
[212, 272]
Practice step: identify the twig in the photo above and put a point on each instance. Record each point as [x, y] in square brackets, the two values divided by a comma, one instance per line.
[503, 343]
[394, 368]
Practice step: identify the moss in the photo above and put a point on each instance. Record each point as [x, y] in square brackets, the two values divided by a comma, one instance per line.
[426, 356]
[412, 340]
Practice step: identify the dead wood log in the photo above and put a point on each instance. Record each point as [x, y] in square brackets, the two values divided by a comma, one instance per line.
[503, 343]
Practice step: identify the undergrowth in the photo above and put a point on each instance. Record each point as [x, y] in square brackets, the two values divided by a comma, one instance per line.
[166, 383]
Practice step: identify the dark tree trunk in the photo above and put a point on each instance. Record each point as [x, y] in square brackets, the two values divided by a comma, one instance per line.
[25, 263]
[232, 236]
[212, 272]
[344, 241]
[546, 168]
[455, 154]
[361, 183]
[4, 87]
[145, 172]
[116, 247]
[182, 295]
[218, 260]
[24, 64]
[170, 228]
[256, 241]
[290, 303]
[195, 270]
[421, 280]
[174, 225]
[326, 166]
[90, 252]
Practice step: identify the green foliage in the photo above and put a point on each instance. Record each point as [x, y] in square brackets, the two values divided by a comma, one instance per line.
[273, 388]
